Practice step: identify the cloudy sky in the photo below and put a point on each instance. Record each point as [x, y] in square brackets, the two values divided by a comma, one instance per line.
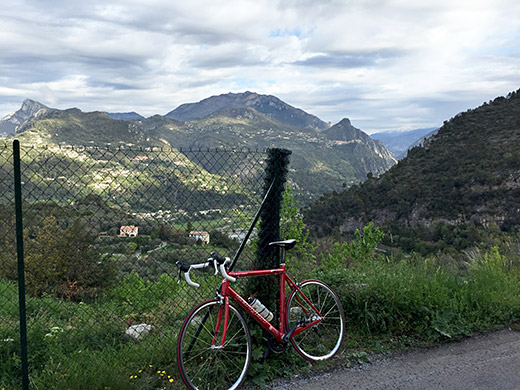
[386, 65]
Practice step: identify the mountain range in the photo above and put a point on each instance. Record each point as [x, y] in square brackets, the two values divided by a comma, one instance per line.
[325, 157]
[464, 178]
[398, 143]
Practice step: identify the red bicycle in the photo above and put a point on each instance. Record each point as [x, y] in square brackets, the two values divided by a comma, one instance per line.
[214, 348]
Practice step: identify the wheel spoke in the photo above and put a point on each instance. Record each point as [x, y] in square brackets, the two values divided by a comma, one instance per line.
[211, 365]
[322, 340]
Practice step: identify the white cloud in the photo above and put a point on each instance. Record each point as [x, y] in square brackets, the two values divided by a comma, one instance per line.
[385, 64]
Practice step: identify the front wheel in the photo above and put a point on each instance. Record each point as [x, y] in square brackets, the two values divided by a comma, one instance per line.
[323, 340]
[203, 362]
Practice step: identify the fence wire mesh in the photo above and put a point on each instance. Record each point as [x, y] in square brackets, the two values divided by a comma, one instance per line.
[9, 321]
[103, 229]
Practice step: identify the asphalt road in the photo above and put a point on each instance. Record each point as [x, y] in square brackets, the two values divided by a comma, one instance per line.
[486, 362]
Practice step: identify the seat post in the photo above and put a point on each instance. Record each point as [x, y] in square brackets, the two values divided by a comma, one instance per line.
[287, 244]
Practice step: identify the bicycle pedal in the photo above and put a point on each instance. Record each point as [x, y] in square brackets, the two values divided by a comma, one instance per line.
[265, 355]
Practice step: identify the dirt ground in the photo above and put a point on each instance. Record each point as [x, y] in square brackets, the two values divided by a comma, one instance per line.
[484, 362]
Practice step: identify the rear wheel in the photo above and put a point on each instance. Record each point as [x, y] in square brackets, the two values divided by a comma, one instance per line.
[203, 362]
[323, 340]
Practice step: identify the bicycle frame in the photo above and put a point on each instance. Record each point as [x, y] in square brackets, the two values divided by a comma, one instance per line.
[227, 292]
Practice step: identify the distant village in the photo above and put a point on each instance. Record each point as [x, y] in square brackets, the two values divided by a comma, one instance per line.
[133, 231]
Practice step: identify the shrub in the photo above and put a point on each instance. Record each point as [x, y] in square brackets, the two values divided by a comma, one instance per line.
[64, 262]
[361, 250]
[426, 298]
[143, 295]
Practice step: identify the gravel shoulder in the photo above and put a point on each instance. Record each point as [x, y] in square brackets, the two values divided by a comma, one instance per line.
[483, 362]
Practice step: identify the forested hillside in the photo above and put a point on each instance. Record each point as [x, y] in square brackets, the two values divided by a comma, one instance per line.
[465, 178]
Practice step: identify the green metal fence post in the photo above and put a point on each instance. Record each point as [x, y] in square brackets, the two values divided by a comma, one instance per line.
[21, 270]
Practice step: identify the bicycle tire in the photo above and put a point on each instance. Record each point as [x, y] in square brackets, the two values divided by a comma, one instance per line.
[205, 367]
[322, 341]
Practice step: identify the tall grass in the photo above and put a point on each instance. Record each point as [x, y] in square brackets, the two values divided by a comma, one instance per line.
[428, 299]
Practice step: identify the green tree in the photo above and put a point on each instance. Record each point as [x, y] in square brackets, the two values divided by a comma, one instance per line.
[361, 250]
[64, 262]
[301, 258]
[8, 265]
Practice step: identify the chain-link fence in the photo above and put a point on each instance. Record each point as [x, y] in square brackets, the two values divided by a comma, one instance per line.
[102, 231]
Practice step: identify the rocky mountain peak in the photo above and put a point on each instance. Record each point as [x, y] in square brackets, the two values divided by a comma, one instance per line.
[344, 131]
[30, 109]
[345, 122]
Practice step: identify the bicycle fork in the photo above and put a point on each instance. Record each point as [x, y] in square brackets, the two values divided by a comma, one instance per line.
[223, 310]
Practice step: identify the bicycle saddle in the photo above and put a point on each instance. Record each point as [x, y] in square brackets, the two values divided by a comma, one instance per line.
[287, 244]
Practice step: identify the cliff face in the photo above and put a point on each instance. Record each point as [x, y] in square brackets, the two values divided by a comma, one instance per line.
[372, 155]
[10, 123]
